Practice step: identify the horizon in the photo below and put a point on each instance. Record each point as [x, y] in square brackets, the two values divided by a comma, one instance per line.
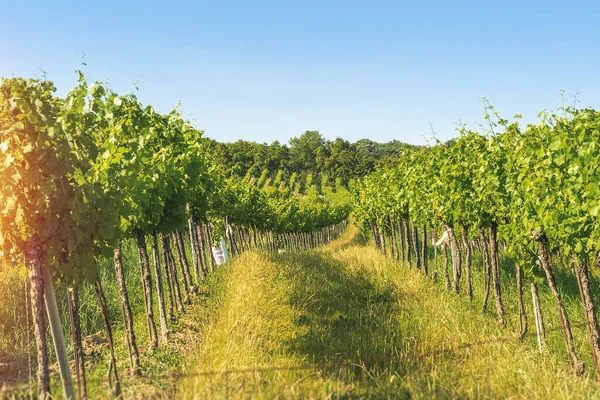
[270, 72]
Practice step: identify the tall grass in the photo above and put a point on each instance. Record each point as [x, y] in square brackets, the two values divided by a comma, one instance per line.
[165, 362]
[342, 302]
[13, 311]
[347, 301]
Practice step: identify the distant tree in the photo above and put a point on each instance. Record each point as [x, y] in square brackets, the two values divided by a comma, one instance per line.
[304, 150]
[340, 160]
[220, 152]
[343, 161]
[277, 157]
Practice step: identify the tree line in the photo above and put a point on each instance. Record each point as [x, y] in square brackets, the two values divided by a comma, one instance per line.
[340, 160]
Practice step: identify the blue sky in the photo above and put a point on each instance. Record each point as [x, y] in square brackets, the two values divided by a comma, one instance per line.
[267, 71]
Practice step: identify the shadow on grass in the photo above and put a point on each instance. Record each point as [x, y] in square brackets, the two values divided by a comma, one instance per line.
[344, 316]
[358, 239]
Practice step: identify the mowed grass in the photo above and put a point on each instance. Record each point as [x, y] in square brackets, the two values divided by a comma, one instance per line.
[403, 335]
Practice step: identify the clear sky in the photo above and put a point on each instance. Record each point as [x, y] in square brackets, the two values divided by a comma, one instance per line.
[269, 70]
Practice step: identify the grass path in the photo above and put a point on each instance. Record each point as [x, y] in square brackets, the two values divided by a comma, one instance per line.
[346, 301]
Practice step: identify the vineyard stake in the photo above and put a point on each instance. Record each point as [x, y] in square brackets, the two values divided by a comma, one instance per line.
[537, 320]
[57, 336]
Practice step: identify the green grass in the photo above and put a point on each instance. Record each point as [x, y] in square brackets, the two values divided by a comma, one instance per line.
[347, 301]
[405, 336]
[13, 331]
[160, 369]
[568, 288]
